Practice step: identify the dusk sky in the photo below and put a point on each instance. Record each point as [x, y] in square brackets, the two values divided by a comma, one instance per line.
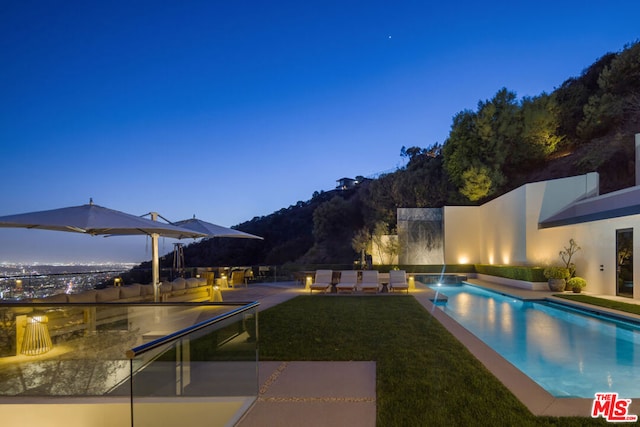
[231, 110]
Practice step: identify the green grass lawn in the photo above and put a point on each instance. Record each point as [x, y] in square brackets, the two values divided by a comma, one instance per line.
[424, 375]
[602, 302]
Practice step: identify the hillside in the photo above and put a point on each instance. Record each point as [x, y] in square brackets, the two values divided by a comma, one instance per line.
[612, 156]
[587, 124]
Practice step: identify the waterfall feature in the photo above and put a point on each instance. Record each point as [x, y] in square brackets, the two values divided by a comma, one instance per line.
[421, 236]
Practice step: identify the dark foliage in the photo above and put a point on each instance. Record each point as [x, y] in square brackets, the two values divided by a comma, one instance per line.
[574, 94]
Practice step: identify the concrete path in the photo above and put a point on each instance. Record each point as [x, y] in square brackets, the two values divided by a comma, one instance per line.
[314, 394]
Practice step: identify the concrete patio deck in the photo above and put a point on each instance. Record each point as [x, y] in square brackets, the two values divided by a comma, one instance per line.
[314, 394]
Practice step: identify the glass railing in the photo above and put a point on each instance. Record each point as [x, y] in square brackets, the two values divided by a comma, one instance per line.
[55, 280]
[121, 361]
[22, 287]
[206, 374]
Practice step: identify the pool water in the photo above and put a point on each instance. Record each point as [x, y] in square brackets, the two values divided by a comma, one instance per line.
[568, 352]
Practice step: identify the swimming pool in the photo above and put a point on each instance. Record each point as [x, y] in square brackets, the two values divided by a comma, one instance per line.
[568, 352]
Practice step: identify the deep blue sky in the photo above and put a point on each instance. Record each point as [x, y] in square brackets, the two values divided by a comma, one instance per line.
[230, 110]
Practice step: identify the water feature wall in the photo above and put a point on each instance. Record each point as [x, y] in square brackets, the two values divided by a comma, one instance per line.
[421, 236]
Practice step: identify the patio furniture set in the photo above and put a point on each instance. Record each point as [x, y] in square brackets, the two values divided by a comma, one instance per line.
[366, 281]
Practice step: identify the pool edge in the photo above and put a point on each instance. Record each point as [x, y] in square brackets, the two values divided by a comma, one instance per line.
[533, 396]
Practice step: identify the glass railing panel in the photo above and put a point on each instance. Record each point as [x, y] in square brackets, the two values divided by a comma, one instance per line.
[207, 376]
[75, 354]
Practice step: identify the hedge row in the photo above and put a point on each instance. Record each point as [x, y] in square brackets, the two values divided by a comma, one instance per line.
[426, 269]
[528, 274]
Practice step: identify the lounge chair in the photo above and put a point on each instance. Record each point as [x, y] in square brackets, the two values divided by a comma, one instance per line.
[237, 279]
[348, 281]
[398, 280]
[370, 281]
[322, 281]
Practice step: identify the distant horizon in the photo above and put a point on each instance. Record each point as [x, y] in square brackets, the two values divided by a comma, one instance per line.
[8, 264]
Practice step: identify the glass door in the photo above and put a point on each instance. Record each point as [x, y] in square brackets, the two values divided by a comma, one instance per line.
[624, 270]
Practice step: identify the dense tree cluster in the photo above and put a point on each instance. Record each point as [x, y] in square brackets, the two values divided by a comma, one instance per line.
[587, 124]
[504, 137]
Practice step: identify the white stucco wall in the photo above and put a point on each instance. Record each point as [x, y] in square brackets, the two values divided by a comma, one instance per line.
[460, 245]
[379, 256]
[505, 231]
[598, 242]
[597, 239]
[545, 199]
[501, 231]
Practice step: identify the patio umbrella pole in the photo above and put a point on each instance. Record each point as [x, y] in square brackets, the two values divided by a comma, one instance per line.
[155, 262]
[155, 267]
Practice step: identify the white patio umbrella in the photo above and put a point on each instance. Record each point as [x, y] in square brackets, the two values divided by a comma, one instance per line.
[213, 230]
[97, 220]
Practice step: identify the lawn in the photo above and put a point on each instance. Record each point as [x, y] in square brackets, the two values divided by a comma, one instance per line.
[424, 375]
[602, 302]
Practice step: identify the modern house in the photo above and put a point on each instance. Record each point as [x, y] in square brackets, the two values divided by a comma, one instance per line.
[346, 183]
[531, 225]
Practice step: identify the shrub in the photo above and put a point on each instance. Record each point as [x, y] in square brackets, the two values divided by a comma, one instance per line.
[516, 272]
[576, 282]
[428, 268]
[556, 273]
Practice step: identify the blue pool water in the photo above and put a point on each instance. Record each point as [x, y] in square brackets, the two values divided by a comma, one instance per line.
[568, 352]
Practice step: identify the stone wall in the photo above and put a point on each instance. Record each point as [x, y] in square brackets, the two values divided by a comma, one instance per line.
[421, 237]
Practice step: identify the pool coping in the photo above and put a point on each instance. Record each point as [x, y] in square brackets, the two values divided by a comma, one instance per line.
[539, 401]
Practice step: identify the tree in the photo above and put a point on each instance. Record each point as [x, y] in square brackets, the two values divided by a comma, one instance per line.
[477, 183]
[333, 225]
[360, 243]
[567, 253]
[484, 143]
[574, 94]
[461, 146]
[387, 248]
[539, 128]
[379, 200]
[619, 90]
[332, 219]
[417, 154]
[499, 127]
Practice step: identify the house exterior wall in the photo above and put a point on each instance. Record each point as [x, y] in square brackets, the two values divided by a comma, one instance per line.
[597, 239]
[545, 199]
[380, 256]
[461, 235]
[596, 261]
[503, 237]
[493, 233]
[501, 231]
[505, 231]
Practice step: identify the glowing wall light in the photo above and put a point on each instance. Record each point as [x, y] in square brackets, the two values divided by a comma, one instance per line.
[216, 296]
[463, 259]
[36, 336]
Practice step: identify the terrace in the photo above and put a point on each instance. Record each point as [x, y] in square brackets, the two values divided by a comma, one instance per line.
[376, 365]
